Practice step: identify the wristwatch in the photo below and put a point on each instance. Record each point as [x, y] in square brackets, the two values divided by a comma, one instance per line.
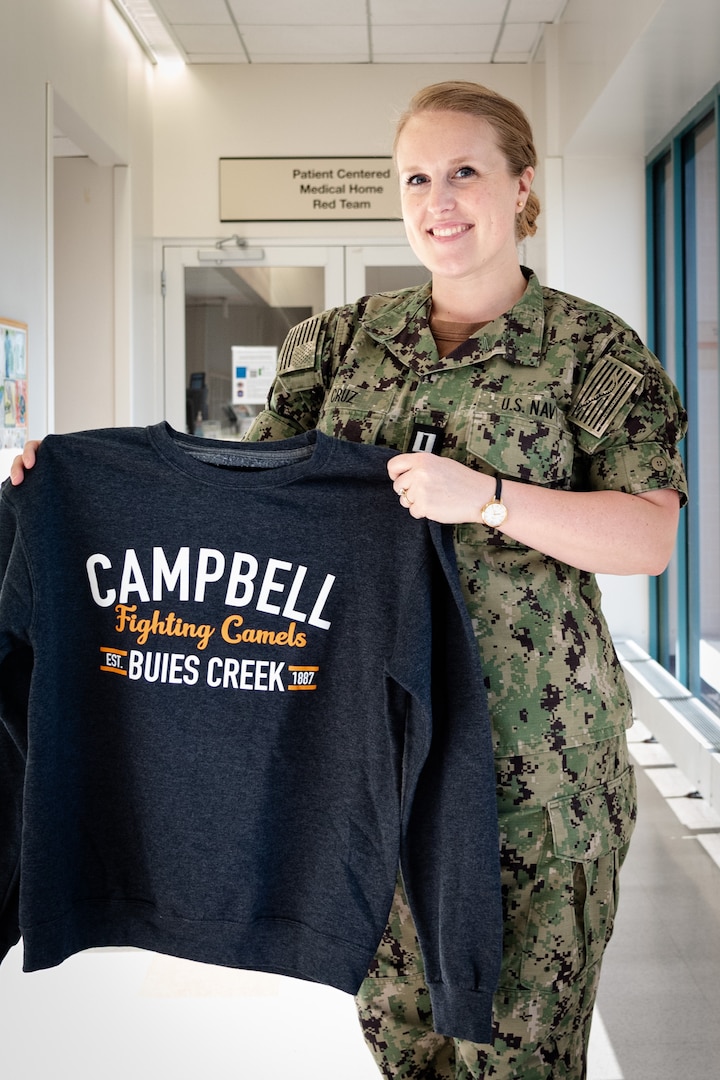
[494, 512]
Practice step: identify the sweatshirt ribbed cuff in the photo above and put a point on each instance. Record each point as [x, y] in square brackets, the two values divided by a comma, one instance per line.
[462, 1014]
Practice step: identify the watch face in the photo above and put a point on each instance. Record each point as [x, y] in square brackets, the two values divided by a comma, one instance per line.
[494, 513]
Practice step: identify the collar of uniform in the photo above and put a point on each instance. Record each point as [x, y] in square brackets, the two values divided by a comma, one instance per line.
[400, 322]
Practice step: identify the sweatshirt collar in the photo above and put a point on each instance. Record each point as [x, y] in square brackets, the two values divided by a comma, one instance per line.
[402, 326]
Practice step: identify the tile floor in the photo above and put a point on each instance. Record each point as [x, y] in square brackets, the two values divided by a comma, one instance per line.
[659, 999]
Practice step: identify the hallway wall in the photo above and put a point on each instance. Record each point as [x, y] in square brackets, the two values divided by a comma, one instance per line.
[84, 292]
[78, 59]
[208, 111]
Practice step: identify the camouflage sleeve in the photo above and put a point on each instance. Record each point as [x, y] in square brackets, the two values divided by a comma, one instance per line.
[298, 390]
[629, 420]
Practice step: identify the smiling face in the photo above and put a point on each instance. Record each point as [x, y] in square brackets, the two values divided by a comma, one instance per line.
[459, 199]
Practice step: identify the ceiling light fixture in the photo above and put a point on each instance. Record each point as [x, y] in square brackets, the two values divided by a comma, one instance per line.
[150, 31]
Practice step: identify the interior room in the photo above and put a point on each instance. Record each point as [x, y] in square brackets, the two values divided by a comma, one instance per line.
[167, 215]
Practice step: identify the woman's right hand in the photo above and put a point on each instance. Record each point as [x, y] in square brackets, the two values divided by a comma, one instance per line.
[24, 461]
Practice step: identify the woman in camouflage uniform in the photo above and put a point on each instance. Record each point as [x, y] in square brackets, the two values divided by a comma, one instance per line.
[562, 402]
[554, 433]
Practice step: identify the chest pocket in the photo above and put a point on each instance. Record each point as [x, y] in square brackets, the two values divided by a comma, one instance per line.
[353, 412]
[524, 437]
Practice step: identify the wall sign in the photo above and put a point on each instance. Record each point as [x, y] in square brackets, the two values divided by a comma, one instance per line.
[308, 189]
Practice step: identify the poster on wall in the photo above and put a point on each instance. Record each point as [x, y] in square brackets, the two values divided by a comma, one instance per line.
[253, 370]
[13, 386]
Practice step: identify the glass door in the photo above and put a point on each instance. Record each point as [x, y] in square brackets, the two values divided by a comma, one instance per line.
[371, 268]
[220, 299]
[236, 301]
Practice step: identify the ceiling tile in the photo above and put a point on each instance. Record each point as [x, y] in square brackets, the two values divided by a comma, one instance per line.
[434, 58]
[432, 40]
[194, 12]
[299, 43]
[537, 11]
[430, 12]
[222, 40]
[295, 13]
[519, 38]
[359, 31]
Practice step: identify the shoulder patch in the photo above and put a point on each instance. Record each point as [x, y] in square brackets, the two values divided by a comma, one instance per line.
[298, 350]
[605, 392]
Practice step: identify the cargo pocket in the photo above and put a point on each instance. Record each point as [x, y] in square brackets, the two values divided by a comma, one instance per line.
[575, 892]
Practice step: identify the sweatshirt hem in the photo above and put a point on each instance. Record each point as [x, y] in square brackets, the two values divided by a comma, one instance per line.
[268, 943]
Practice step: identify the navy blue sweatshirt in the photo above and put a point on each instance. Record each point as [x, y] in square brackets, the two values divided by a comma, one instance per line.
[239, 688]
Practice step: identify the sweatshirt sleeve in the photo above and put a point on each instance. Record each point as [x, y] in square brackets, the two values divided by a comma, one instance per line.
[15, 673]
[450, 847]
[11, 777]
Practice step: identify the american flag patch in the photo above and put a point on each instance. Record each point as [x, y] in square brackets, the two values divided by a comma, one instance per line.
[605, 392]
[298, 350]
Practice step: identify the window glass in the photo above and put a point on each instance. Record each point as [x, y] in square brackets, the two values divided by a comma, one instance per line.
[663, 330]
[702, 360]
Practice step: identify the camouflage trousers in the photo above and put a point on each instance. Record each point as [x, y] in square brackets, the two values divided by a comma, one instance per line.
[565, 823]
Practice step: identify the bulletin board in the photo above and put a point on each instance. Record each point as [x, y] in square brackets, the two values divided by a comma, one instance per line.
[13, 386]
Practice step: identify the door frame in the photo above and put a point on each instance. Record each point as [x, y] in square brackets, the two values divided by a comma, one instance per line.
[175, 259]
[359, 256]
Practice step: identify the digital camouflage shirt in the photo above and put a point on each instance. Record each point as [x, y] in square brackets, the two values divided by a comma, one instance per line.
[556, 392]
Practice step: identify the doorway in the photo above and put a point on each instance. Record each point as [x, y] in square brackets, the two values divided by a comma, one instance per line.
[219, 299]
[88, 301]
